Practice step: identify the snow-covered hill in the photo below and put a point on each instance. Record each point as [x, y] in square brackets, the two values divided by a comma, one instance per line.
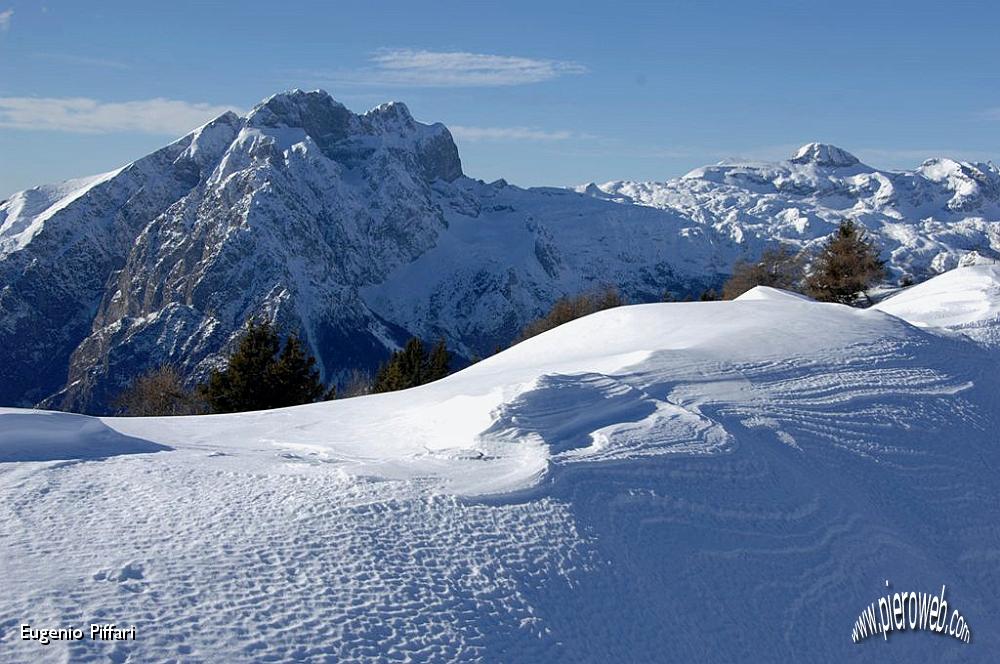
[721, 481]
[965, 300]
[359, 230]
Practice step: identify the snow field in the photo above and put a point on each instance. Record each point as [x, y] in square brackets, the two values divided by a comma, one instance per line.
[689, 481]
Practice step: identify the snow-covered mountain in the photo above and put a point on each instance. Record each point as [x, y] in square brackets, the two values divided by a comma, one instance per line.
[354, 230]
[704, 481]
[358, 231]
[925, 220]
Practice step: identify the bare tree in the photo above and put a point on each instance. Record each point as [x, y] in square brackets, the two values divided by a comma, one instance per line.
[570, 308]
[778, 267]
[159, 391]
[358, 383]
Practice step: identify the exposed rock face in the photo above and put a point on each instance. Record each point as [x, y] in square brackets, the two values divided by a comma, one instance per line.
[60, 244]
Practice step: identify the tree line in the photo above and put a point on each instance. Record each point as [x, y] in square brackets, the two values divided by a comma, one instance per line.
[262, 372]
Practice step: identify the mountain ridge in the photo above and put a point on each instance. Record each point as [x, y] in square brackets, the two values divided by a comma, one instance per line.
[358, 230]
[926, 219]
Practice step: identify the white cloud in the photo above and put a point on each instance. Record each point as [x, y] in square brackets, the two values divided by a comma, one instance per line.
[5, 17]
[89, 116]
[508, 134]
[417, 68]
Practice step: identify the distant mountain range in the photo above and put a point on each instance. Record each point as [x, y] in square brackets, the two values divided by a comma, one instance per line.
[358, 231]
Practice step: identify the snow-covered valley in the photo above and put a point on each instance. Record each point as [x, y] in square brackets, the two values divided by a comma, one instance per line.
[717, 481]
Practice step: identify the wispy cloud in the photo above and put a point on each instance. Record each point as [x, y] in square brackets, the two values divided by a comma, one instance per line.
[83, 60]
[419, 68]
[5, 17]
[89, 116]
[509, 134]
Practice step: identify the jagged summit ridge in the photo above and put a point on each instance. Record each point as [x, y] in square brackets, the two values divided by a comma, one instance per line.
[245, 213]
[351, 139]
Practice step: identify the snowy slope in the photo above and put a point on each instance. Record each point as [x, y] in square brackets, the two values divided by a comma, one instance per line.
[27, 211]
[966, 300]
[670, 482]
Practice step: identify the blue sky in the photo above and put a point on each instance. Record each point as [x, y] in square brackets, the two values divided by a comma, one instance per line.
[536, 92]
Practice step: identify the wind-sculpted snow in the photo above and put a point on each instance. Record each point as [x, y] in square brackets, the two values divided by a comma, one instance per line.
[595, 417]
[721, 481]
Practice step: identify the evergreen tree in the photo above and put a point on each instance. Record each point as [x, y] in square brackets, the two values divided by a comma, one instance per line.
[294, 380]
[413, 363]
[243, 384]
[437, 364]
[261, 374]
[412, 366]
[848, 264]
[403, 370]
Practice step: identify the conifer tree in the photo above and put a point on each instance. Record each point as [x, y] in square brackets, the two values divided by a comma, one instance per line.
[294, 380]
[243, 384]
[412, 366]
[261, 374]
[848, 264]
[437, 364]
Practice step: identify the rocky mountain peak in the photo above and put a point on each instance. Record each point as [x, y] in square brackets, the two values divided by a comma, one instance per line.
[351, 139]
[396, 110]
[823, 154]
[320, 115]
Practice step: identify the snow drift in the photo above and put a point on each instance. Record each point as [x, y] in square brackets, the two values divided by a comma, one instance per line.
[966, 300]
[688, 481]
[44, 436]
